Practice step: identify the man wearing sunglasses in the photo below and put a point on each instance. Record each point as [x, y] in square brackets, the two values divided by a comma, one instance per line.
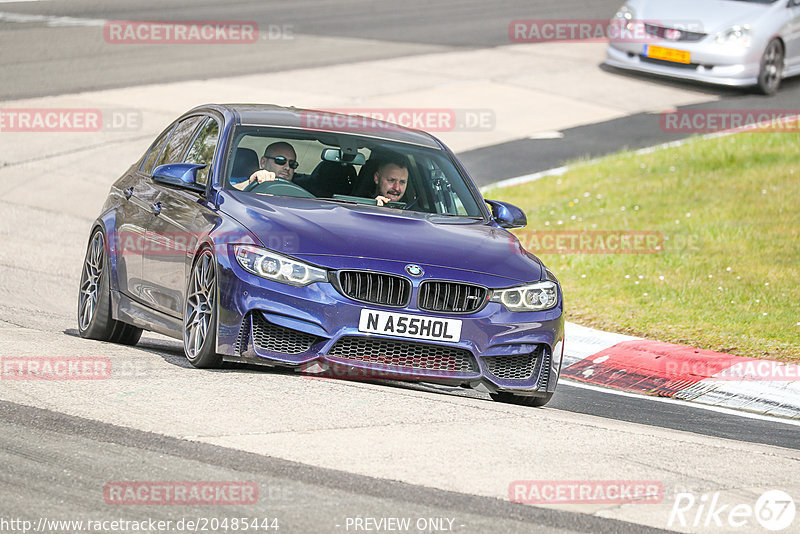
[279, 161]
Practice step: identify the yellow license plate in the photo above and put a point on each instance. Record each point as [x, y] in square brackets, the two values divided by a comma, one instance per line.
[667, 54]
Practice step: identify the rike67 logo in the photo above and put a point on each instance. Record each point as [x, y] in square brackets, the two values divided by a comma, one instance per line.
[774, 510]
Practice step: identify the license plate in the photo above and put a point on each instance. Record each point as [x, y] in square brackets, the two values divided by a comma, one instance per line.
[416, 326]
[667, 54]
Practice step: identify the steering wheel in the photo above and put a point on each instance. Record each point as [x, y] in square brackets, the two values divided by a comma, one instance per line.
[278, 187]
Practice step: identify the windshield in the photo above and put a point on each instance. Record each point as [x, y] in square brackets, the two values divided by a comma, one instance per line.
[348, 169]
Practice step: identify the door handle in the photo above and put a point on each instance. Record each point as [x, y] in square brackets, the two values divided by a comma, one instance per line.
[156, 208]
[128, 193]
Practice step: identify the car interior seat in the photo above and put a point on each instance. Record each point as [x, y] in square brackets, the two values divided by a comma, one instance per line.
[365, 182]
[245, 163]
[328, 178]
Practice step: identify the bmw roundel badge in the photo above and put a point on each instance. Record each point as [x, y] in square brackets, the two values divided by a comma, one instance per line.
[414, 270]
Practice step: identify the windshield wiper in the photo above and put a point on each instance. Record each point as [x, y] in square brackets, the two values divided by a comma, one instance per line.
[477, 217]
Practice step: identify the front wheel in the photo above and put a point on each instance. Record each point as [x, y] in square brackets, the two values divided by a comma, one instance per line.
[200, 314]
[94, 299]
[771, 72]
[510, 398]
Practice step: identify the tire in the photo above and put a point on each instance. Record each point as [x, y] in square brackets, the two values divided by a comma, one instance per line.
[771, 71]
[94, 299]
[520, 400]
[127, 334]
[200, 313]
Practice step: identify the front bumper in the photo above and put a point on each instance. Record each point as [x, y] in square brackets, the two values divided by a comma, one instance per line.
[710, 63]
[315, 328]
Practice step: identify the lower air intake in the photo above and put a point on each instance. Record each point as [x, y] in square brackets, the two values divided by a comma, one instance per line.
[406, 354]
[273, 338]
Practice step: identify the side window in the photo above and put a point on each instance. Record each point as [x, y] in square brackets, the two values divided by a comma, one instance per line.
[202, 149]
[181, 136]
[155, 151]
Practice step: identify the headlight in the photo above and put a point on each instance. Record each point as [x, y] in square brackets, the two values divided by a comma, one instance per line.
[625, 17]
[273, 266]
[736, 35]
[530, 297]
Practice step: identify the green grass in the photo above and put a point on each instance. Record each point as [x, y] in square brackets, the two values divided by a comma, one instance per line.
[728, 275]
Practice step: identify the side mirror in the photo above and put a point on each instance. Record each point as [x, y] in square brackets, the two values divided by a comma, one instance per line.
[507, 215]
[338, 156]
[183, 175]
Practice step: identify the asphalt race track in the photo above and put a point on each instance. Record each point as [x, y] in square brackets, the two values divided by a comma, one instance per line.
[324, 453]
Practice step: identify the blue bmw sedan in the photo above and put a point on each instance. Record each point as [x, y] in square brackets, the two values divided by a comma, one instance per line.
[322, 242]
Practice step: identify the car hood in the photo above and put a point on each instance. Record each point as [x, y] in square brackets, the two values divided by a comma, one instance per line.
[713, 16]
[324, 232]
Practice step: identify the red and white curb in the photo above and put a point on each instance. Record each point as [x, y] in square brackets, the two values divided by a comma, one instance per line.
[681, 372]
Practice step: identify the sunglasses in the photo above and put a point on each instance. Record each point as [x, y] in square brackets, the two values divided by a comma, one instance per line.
[280, 160]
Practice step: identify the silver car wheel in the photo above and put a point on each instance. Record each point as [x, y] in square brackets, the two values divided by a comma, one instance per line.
[771, 68]
[200, 302]
[90, 280]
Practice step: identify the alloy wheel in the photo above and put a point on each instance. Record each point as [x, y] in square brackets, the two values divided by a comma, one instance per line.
[771, 68]
[90, 280]
[200, 302]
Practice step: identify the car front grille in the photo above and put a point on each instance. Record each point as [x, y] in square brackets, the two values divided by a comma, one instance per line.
[407, 354]
[684, 36]
[451, 297]
[519, 367]
[273, 338]
[375, 288]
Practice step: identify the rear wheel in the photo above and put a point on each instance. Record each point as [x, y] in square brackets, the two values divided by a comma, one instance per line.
[771, 72]
[510, 398]
[200, 314]
[94, 299]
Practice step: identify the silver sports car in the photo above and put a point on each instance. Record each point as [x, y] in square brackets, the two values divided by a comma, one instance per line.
[728, 42]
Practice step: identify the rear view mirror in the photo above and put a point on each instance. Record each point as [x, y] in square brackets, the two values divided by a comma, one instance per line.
[507, 215]
[338, 156]
[182, 175]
